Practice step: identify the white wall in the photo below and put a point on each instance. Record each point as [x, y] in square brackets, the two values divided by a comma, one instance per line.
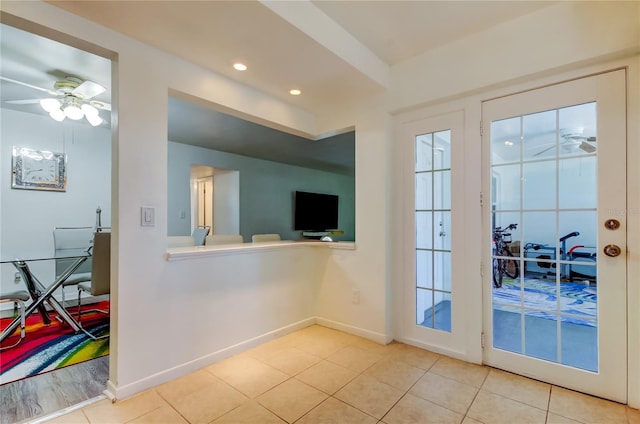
[226, 202]
[153, 300]
[27, 217]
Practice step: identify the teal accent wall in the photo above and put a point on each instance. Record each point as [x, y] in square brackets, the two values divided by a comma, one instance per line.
[266, 192]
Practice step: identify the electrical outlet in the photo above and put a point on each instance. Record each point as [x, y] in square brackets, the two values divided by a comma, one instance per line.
[355, 296]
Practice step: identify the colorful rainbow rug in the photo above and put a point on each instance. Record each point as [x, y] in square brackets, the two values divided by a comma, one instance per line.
[46, 348]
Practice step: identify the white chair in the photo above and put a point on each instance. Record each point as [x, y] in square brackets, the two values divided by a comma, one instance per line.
[257, 238]
[197, 238]
[224, 239]
[73, 238]
[18, 298]
[199, 235]
[100, 283]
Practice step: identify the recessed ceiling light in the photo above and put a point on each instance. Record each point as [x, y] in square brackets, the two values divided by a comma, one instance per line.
[295, 92]
[240, 66]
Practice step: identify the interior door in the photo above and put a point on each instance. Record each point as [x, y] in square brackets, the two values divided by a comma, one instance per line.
[554, 280]
[433, 290]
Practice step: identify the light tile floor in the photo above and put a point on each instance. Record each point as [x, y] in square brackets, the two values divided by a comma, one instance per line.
[320, 375]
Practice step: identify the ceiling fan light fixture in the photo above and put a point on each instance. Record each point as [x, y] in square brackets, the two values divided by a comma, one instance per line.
[72, 109]
[73, 112]
[57, 114]
[50, 104]
[89, 110]
[94, 120]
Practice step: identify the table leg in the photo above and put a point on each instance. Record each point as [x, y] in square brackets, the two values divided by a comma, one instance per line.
[35, 293]
[40, 297]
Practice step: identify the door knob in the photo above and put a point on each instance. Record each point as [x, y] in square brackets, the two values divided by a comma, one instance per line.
[612, 224]
[612, 250]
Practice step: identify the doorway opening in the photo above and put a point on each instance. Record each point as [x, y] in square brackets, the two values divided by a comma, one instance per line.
[215, 199]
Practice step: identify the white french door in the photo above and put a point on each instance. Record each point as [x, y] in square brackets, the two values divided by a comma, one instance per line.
[554, 225]
[433, 288]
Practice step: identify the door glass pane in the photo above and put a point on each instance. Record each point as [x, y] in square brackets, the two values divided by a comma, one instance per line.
[544, 226]
[577, 129]
[506, 187]
[539, 185]
[424, 230]
[424, 152]
[505, 141]
[424, 268]
[424, 197]
[539, 135]
[433, 230]
[574, 175]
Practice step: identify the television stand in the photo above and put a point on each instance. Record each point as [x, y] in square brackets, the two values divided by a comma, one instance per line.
[320, 234]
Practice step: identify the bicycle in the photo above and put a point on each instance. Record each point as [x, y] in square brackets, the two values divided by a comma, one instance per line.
[502, 265]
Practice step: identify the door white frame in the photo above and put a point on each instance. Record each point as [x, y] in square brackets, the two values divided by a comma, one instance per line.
[471, 105]
[452, 343]
[611, 380]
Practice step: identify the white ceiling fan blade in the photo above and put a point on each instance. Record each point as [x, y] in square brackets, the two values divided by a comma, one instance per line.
[23, 102]
[53, 93]
[100, 105]
[587, 147]
[545, 150]
[88, 89]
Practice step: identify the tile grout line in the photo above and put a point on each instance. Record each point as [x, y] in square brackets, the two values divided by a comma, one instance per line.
[484, 380]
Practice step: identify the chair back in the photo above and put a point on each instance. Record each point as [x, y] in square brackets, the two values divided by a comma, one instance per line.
[265, 237]
[101, 264]
[72, 238]
[199, 235]
[224, 239]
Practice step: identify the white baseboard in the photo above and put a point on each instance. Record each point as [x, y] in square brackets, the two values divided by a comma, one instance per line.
[356, 331]
[121, 392]
[435, 348]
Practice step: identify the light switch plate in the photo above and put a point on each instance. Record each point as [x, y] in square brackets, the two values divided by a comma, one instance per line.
[147, 217]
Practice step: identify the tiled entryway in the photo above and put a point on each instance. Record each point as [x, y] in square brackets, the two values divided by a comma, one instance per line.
[320, 375]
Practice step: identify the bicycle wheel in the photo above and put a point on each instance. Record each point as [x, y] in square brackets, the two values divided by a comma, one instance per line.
[498, 272]
[511, 267]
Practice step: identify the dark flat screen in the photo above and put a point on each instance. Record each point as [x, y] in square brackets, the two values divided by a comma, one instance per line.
[315, 211]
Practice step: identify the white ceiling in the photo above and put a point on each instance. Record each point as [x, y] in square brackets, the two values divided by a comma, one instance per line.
[281, 42]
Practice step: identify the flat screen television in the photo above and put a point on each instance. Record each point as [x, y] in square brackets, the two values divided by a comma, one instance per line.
[315, 211]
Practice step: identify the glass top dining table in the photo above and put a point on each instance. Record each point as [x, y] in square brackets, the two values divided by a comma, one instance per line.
[42, 255]
[42, 292]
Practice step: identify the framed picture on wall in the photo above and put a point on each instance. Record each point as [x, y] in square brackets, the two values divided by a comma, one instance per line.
[38, 170]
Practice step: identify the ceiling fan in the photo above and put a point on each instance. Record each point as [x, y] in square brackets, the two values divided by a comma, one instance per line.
[572, 141]
[71, 98]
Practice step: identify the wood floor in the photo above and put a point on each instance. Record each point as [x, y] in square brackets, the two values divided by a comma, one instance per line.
[44, 394]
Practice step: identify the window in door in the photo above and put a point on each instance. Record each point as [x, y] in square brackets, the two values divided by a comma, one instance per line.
[433, 235]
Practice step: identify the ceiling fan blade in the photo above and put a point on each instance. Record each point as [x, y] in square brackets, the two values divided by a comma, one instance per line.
[53, 93]
[100, 105]
[23, 102]
[587, 147]
[545, 150]
[88, 89]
